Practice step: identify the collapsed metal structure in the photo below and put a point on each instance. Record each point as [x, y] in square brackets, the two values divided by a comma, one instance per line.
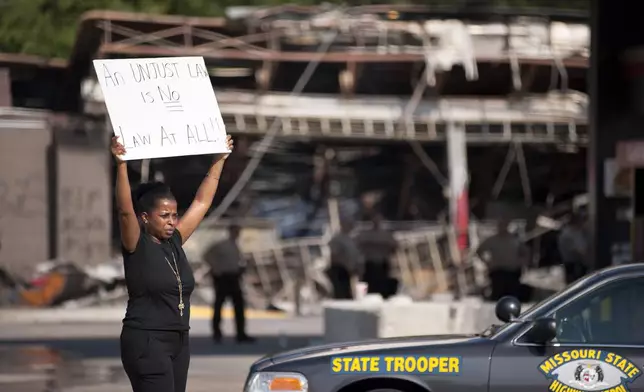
[391, 77]
[486, 80]
[400, 42]
[387, 87]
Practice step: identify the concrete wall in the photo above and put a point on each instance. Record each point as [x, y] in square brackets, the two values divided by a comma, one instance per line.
[55, 190]
[84, 203]
[5, 88]
[25, 139]
[357, 320]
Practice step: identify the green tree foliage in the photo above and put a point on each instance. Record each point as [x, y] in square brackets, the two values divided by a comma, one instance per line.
[48, 27]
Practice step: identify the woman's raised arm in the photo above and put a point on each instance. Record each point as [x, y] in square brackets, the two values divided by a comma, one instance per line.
[128, 221]
[204, 196]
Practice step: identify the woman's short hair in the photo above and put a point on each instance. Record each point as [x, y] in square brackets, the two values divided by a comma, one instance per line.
[147, 195]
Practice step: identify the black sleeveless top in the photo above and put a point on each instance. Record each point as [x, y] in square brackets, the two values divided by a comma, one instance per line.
[152, 286]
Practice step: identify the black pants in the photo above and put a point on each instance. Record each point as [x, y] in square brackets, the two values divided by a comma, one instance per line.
[155, 361]
[574, 270]
[377, 275]
[229, 286]
[505, 282]
[340, 281]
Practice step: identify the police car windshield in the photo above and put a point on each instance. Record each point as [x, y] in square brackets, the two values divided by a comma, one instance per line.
[536, 310]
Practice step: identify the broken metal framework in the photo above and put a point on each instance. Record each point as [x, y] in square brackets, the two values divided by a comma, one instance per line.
[436, 46]
[373, 35]
[560, 118]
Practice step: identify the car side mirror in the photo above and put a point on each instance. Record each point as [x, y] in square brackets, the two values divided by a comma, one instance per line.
[542, 331]
[507, 309]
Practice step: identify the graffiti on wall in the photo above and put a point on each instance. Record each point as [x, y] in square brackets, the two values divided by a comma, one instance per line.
[23, 197]
[82, 224]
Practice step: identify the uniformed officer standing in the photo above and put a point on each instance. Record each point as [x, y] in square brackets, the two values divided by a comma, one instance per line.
[505, 256]
[378, 246]
[346, 262]
[226, 267]
[573, 248]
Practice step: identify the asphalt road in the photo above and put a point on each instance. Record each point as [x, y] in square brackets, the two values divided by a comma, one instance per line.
[84, 357]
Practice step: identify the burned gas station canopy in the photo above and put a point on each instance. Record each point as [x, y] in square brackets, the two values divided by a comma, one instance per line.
[498, 78]
[285, 34]
[266, 50]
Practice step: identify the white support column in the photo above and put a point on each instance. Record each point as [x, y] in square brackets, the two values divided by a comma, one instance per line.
[458, 182]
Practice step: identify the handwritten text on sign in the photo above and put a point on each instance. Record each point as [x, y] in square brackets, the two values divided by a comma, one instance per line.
[162, 107]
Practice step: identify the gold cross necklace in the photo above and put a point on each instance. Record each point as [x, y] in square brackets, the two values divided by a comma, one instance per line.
[175, 271]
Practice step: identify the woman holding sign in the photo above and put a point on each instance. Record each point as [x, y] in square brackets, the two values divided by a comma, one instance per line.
[154, 340]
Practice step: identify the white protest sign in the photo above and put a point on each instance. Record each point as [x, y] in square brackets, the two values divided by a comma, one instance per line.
[162, 107]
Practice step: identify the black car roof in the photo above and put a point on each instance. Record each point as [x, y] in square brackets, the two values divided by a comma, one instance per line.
[616, 271]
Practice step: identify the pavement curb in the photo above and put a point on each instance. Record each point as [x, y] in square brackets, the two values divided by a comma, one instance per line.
[97, 315]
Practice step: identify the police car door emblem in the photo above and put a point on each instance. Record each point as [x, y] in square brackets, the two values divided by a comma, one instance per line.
[589, 370]
[589, 375]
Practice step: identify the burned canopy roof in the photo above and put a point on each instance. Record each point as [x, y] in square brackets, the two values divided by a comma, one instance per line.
[256, 57]
[251, 35]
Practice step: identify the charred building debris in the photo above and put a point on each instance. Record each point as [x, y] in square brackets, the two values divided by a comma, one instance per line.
[519, 80]
[408, 110]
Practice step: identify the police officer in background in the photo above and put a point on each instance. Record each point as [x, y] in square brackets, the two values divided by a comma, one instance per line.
[505, 256]
[378, 246]
[226, 267]
[346, 262]
[573, 248]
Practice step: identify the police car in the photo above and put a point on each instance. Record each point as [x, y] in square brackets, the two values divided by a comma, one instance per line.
[589, 337]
